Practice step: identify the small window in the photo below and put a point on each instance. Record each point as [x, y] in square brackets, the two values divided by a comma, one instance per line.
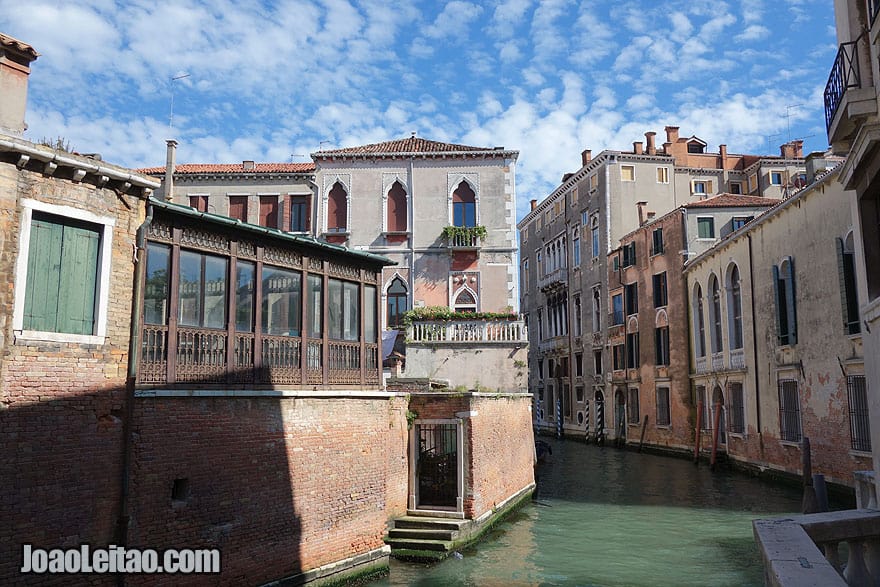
[695, 147]
[661, 345]
[632, 405]
[662, 175]
[618, 357]
[594, 182]
[594, 233]
[736, 409]
[200, 203]
[786, 311]
[617, 309]
[574, 195]
[269, 211]
[576, 248]
[627, 173]
[753, 182]
[736, 187]
[740, 221]
[701, 186]
[859, 425]
[631, 298]
[585, 218]
[663, 406]
[629, 254]
[282, 301]
[659, 283]
[464, 206]
[540, 368]
[202, 290]
[579, 397]
[578, 321]
[397, 302]
[343, 312]
[776, 177]
[597, 310]
[180, 490]
[632, 350]
[789, 411]
[299, 214]
[657, 241]
[579, 365]
[846, 273]
[465, 301]
[337, 209]
[397, 215]
[705, 227]
[238, 208]
[597, 362]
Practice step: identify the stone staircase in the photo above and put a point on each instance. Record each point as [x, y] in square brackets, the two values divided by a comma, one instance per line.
[425, 538]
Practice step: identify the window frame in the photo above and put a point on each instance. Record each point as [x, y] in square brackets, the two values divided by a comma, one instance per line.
[105, 226]
[661, 346]
[702, 220]
[736, 408]
[789, 415]
[663, 175]
[859, 422]
[632, 173]
[664, 409]
[657, 241]
[633, 416]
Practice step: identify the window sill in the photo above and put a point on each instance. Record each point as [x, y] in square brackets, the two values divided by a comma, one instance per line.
[335, 233]
[37, 336]
[790, 443]
[860, 454]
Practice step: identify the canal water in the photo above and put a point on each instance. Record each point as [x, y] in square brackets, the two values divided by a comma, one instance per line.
[609, 517]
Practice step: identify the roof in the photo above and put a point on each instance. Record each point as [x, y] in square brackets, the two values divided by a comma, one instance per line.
[232, 168]
[299, 239]
[20, 46]
[733, 201]
[411, 145]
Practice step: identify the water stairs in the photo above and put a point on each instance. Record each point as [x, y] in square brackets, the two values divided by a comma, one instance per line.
[427, 536]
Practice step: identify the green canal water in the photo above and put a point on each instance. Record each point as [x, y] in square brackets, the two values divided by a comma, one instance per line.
[608, 517]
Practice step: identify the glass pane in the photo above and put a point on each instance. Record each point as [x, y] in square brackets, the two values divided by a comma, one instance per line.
[334, 308]
[315, 306]
[370, 325]
[156, 286]
[215, 292]
[351, 295]
[245, 283]
[281, 302]
[190, 289]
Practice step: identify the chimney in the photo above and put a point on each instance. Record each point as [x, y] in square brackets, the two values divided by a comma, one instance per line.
[170, 167]
[566, 177]
[649, 139]
[15, 61]
[722, 149]
[671, 134]
[533, 204]
[637, 147]
[586, 156]
[642, 218]
[667, 148]
[816, 164]
[248, 166]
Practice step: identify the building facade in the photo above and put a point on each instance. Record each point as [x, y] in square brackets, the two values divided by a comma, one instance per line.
[565, 242]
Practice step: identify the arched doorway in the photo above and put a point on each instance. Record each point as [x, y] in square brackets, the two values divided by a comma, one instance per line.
[718, 406]
[620, 416]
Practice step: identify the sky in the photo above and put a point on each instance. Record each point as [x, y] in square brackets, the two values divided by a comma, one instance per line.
[276, 81]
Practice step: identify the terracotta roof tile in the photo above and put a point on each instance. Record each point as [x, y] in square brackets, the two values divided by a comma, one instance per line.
[407, 145]
[733, 201]
[202, 168]
[20, 46]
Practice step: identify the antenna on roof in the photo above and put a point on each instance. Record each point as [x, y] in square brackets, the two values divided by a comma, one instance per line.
[292, 155]
[412, 134]
[788, 110]
[171, 114]
[321, 145]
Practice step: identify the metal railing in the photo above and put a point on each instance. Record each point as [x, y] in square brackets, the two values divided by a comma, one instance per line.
[556, 278]
[737, 359]
[702, 365]
[717, 361]
[844, 75]
[470, 331]
[464, 241]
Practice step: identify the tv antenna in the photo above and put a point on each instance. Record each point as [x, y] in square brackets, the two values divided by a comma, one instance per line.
[787, 115]
[171, 113]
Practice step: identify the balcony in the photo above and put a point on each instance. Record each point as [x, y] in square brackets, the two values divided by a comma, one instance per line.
[464, 238]
[717, 361]
[461, 331]
[553, 281]
[737, 359]
[559, 343]
[702, 365]
[849, 95]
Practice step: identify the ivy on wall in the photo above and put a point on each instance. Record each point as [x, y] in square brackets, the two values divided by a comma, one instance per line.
[446, 314]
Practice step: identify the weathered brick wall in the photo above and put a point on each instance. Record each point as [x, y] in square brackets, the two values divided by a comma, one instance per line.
[501, 448]
[61, 404]
[278, 485]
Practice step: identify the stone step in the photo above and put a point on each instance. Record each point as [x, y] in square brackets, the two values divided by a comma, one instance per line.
[419, 522]
[423, 533]
[419, 544]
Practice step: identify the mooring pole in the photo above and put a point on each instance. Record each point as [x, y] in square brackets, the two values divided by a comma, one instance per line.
[697, 432]
[644, 427]
[587, 420]
[810, 505]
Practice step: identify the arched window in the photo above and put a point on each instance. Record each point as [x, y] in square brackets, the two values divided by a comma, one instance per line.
[734, 308]
[699, 323]
[397, 208]
[715, 314]
[465, 301]
[337, 209]
[397, 303]
[464, 205]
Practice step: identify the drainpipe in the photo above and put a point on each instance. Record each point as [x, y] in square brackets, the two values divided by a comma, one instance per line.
[755, 344]
[122, 523]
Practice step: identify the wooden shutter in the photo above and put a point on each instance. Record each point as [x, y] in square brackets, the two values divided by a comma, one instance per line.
[792, 297]
[43, 276]
[238, 207]
[269, 211]
[841, 278]
[776, 298]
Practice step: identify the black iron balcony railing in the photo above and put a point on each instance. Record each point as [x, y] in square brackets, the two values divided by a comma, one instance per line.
[844, 75]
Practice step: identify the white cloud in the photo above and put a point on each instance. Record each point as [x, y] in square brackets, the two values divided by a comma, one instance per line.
[753, 32]
[453, 20]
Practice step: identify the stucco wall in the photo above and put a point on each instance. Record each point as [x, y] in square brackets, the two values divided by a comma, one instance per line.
[499, 367]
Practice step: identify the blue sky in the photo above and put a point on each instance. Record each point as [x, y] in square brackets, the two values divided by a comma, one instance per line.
[275, 81]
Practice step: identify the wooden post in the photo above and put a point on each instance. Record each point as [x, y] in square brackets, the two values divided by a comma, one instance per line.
[697, 432]
[644, 427]
[715, 432]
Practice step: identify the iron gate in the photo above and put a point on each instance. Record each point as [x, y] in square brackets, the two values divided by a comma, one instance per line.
[437, 468]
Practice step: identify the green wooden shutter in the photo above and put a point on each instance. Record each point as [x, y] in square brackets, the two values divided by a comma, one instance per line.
[43, 276]
[841, 279]
[792, 301]
[79, 268]
[777, 300]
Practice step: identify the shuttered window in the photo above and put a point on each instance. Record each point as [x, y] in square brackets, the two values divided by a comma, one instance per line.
[269, 211]
[62, 275]
[736, 409]
[397, 208]
[789, 411]
[786, 311]
[859, 425]
[238, 206]
[663, 406]
[337, 209]
[846, 274]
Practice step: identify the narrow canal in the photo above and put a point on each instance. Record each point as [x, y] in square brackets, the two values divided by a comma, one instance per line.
[608, 517]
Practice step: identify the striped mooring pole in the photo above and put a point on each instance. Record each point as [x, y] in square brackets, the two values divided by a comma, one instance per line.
[587, 421]
[558, 417]
[600, 422]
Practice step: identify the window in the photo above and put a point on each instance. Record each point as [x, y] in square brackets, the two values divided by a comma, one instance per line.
[245, 284]
[661, 345]
[660, 296]
[846, 274]
[594, 233]
[597, 362]
[740, 221]
[397, 216]
[701, 187]
[65, 274]
[715, 315]
[776, 177]
[703, 406]
[699, 323]
[786, 312]
[540, 368]
[524, 276]
[736, 409]
[734, 309]
[578, 324]
[200, 203]
[464, 206]
[465, 301]
[299, 214]
[574, 195]
[597, 310]
[585, 218]
[157, 283]
[629, 254]
[753, 182]
[579, 393]
[202, 290]
[618, 357]
[789, 411]
[576, 249]
[705, 227]
[663, 406]
[859, 426]
[269, 211]
[662, 175]
[337, 209]
[594, 182]
[238, 208]
[616, 309]
[343, 316]
[281, 302]
[579, 365]
[627, 173]
[632, 405]
[615, 263]
[632, 350]
[314, 311]
[540, 267]
[396, 303]
[631, 298]
[540, 323]
[657, 241]
[370, 313]
[695, 147]
[736, 187]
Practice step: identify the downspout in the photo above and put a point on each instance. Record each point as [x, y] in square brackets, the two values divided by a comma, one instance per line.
[131, 378]
[755, 345]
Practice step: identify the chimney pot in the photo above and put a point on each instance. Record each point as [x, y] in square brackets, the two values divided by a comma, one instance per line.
[671, 134]
[586, 156]
[533, 204]
[637, 147]
[15, 60]
[649, 139]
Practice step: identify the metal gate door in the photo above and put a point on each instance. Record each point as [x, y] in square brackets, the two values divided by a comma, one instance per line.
[437, 468]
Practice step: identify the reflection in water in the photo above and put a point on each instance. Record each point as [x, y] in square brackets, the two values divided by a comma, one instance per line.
[607, 517]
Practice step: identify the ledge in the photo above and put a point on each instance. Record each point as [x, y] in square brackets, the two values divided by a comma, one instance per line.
[264, 393]
[361, 566]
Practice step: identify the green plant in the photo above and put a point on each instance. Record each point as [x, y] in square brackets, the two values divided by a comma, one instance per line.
[519, 364]
[410, 418]
[446, 314]
[465, 232]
